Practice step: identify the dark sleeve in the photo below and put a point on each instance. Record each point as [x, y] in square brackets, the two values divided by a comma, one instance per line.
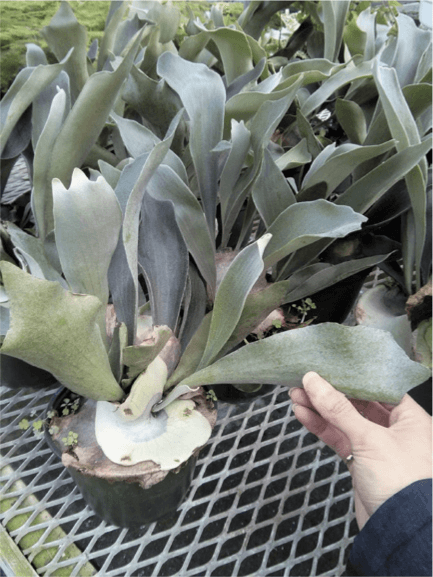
[397, 539]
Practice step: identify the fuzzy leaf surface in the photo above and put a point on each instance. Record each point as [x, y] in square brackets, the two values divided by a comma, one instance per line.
[156, 102]
[138, 357]
[131, 222]
[64, 33]
[261, 127]
[87, 118]
[352, 119]
[334, 20]
[165, 184]
[339, 165]
[32, 248]
[303, 223]
[233, 47]
[403, 128]
[379, 308]
[195, 304]
[57, 331]
[163, 255]
[203, 95]
[362, 362]
[87, 219]
[334, 83]
[140, 140]
[192, 355]
[42, 196]
[28, 84]
[363, 193]
[271, 192]
[319, 276]
[230, 298]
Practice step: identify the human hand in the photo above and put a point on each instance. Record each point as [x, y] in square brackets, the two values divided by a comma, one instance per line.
[391, 446]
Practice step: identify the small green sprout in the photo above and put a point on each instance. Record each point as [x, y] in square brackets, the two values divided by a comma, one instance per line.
[277, 323]
[211, 396]
[37, 426]
[69, 406]
[187, 412]
[305, 307]
[71, 440]
[24, 424]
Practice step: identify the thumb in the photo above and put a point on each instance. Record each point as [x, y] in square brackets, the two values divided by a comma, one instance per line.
[335, 408]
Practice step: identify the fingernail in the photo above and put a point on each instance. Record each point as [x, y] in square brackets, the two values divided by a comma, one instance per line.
[291, 391]
[294, 407]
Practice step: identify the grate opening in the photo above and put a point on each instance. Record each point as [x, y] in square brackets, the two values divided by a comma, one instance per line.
[333, 535]
[251, 565]
[202, 557]
[339, 509]
[327, 562]
[231, 546]
[212, 530]
[287, 527]
[268, 511]
[301, 569]
[280, 553]
[307, 544]
[313, 518]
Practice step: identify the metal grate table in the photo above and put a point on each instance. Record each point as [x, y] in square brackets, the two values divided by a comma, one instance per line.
[267, 499]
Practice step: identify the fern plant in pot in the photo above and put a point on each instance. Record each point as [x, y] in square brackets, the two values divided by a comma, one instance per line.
[137, 423]
[74, 336]
[134, 299]
[139, 367]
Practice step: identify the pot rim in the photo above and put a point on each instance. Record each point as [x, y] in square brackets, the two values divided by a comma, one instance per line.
[146, 473]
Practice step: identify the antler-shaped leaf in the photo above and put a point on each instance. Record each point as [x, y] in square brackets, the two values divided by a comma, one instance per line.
[57, 331]
[88, 219]
[362, 362]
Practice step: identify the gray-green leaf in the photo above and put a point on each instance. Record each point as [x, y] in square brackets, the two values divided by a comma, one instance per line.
[203, 95]
[303, 223]
[87, 226]
[362, 362]
[57, 331]
[235, 286]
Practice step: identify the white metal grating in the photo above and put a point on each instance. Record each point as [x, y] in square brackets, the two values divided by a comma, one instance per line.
[267, 499]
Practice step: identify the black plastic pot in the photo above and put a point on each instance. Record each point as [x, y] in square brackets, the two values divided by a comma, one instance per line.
[16, 374]
[334, 304]
[123, 496]
[230, 394]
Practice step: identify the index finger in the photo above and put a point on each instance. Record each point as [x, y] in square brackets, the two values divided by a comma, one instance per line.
[335, 408]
